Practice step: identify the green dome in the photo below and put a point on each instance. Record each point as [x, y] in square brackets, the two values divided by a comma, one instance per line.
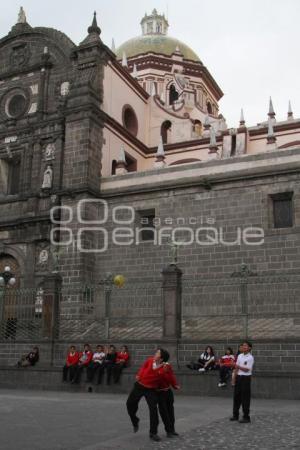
[155, 43]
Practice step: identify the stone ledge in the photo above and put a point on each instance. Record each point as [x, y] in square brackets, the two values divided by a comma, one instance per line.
[282, 385]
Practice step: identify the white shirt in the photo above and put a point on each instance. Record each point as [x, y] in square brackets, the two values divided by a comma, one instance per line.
[98, 357]
[246, 361]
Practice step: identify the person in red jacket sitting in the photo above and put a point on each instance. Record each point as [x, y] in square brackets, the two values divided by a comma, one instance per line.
[85, 358]
[166, 398]
[226, 364]
[148, 381]
[71, 363]
[121, 363]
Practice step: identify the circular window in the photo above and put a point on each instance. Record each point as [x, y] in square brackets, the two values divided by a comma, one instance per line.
[16, 105]
[130, 121]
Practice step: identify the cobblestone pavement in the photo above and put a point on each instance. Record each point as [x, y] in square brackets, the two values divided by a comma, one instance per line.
[33, 420]
[266, 432]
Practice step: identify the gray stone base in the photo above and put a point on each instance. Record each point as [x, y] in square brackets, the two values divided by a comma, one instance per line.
[265, 384]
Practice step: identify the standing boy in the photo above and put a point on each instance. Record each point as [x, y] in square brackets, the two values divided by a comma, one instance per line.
[242, 388]
[148, 381]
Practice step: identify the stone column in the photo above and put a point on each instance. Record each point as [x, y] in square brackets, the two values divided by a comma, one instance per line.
[172, 310]
[50, 314]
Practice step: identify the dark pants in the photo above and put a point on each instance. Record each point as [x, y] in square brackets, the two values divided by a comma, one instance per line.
[166, 409]
[132, 404]
[117, 371]
[242, 395]
[200, 365]
[68, 370]
[92, 370]
[224, 374]
[78, 373]
[109, 366]
[100, 373]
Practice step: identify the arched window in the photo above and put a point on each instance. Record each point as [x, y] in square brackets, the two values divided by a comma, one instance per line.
[130, 121]
[197, 127]
[173, 97]
[166, 125]
[209, 108]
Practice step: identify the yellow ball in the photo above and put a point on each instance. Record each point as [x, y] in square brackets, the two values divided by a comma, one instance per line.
[119, 280]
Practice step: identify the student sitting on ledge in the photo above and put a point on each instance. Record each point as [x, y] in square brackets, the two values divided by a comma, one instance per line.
[31, 359]
[71, 363]
[97, 363]
[85, 358]
[121, 363]
[205, 362]
[226, 364]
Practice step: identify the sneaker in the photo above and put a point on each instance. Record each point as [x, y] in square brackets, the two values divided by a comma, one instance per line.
[220, 384]
[155, 437]
[170, 435]
[245, 420]
[234, 418]
[201, 370]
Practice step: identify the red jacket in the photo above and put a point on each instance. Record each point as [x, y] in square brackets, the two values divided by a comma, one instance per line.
[168, 378]
[148, 375]
[89, 357]
[227, 361]
[72, 360]
[122, 357]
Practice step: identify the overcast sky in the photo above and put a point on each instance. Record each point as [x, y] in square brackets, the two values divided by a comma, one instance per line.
[251, 47]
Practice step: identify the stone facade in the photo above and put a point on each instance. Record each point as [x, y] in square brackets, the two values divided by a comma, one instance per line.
[55, 136]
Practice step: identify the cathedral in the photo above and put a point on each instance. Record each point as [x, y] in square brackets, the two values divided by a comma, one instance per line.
[95, 139]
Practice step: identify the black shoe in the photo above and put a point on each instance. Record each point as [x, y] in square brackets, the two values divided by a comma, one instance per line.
[245, 420]
[174, 433]
[189, 366]
[234, 418]
[136, 427]
[90, 389]
[155, 437]
[170, 435]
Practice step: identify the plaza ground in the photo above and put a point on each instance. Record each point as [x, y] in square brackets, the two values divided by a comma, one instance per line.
[32, 420]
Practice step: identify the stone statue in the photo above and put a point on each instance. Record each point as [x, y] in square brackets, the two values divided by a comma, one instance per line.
[48, 178]
[21, 16]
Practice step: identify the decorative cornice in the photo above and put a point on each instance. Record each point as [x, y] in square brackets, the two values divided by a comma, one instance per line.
[277, 128]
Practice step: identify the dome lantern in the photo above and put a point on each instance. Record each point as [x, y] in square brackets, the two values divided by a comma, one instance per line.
[154, 24]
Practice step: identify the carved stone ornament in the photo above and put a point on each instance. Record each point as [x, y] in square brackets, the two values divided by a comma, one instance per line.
[20, 55]
[65, 88]
[43, 256]
[50, 152]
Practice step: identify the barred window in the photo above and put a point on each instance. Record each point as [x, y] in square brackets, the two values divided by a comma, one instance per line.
[283, 210]
[146, 222]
